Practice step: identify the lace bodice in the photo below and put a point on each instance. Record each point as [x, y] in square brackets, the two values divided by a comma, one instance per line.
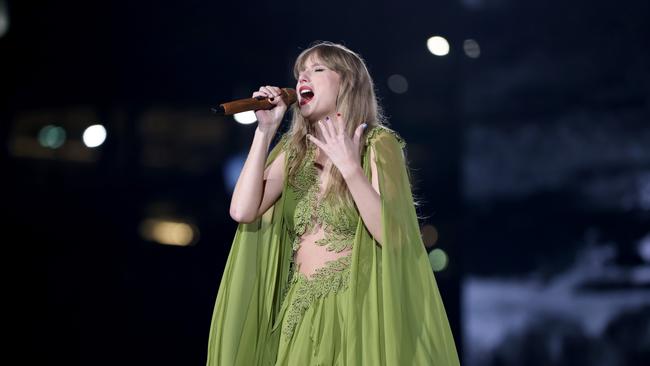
[307, 216]
[313, 213]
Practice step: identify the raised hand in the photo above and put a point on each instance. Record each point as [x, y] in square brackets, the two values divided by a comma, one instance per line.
[270, 119]
[342, 150]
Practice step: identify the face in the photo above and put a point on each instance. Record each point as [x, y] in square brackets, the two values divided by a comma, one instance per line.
[317, 88]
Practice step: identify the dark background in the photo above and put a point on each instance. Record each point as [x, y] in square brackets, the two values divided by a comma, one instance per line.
[526, 159]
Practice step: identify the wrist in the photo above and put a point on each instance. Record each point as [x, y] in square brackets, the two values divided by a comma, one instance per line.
[352, 172]
[266, 130]
[266, 133]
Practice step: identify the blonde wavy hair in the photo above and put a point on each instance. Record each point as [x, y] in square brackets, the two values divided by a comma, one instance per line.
[356, 101]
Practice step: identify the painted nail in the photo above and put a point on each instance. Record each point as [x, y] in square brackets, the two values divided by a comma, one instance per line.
[365, 125]
[338, 114]
[327, 118]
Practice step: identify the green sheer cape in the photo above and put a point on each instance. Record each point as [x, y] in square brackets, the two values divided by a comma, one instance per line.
[395, 314]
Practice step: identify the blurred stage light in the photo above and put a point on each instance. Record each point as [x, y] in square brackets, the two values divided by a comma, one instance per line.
[438, 46]
[168, 232]
[4, 18]
[232, 169]
[245, 118]
[438, 259]
[51, 136]
[644, 248]
[644, 192]
[429, 235]
[471, 48]
[94, 135]
[398, 84]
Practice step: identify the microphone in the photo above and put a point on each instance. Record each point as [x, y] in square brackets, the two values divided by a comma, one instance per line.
[253, 104]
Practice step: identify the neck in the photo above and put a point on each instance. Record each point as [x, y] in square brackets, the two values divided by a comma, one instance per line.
[313, 123]
[315, 131]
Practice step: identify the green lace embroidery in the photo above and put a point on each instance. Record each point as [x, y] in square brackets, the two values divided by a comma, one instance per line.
[373, 134]
[339, 229]
[305, 184]
[338, 226]
[331, 278]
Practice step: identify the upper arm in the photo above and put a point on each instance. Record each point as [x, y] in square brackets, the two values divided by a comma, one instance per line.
[387, 151]
[273, 183]
[373, 171]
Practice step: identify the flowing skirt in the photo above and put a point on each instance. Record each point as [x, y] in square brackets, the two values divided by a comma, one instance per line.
[316, 337]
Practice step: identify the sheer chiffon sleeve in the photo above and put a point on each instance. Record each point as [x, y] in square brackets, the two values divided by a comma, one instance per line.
[396, 311]
[251, 286]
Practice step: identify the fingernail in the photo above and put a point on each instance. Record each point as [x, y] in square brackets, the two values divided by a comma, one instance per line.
[365, 125]
[327, 118]
[338, 114]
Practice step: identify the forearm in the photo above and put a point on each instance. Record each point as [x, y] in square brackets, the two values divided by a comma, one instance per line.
[248, 193]
[367, 200]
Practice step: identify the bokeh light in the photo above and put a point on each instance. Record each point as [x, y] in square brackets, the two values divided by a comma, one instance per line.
[438, 46]
[168, 232]
[438, 259]
[429, 235]
[4, 18]
[398, 84]
[94, 135]
[644, 248]
[471, 48]
[51, 136]
[245, 118]
[232, 169]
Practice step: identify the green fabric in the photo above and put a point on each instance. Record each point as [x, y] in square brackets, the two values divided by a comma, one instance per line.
[310, 210]
[378, 306]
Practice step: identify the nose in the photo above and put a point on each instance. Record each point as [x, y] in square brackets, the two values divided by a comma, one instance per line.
[302, 78]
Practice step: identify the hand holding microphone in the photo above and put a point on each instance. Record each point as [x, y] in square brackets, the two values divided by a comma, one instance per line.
[269, 103]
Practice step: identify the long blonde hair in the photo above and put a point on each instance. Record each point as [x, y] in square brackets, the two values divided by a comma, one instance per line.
[356, 101]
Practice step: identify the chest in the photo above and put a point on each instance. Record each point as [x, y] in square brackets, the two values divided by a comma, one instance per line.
[306, 202]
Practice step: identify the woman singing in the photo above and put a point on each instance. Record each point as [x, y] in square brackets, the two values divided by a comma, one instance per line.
[327, 266]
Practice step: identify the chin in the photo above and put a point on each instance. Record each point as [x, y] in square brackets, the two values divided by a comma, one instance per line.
[304, 113]
[307, 111]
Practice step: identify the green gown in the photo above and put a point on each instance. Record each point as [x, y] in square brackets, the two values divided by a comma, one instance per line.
[372, 306]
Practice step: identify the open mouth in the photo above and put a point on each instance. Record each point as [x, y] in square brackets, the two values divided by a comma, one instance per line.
[306, 95]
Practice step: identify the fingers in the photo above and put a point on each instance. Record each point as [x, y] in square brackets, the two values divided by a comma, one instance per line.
[276, 91]
[268, 91]
[358, 132]
[263, 92]
[324, 130]
[338, 124]
[318, 143]
[334, 128]
[273, 95]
